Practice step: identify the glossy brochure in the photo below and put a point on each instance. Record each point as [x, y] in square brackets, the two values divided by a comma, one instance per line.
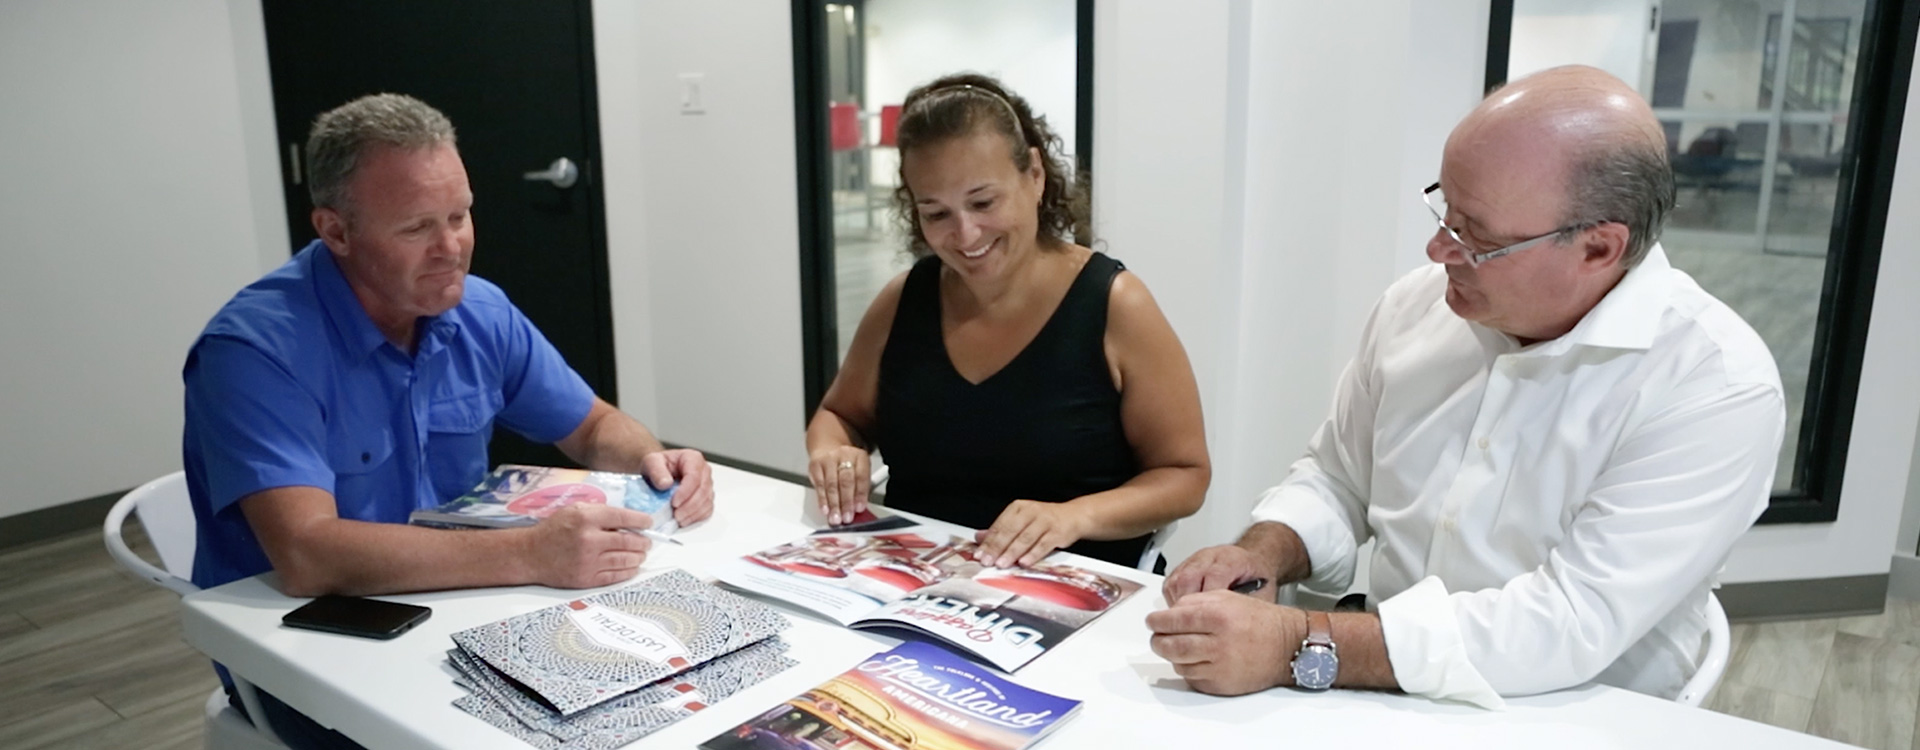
[514, 495]
[927, 582]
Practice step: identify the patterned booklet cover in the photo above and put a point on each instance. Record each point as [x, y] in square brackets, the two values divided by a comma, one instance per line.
[589, 651]
[515, 495]
[924, 581]
[617, 722]
[915, 697]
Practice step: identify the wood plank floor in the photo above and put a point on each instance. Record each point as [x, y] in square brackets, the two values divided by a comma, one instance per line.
[93, 659]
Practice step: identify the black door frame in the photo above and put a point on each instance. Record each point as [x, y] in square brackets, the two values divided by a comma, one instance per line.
[1860, 226]
[819, 321]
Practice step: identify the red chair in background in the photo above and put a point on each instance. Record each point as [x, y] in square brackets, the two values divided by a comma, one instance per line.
[843, 126]
[889, 125]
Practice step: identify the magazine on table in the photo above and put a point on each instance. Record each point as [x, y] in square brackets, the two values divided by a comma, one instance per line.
[514, 495]
[915, 697]
[925, 581]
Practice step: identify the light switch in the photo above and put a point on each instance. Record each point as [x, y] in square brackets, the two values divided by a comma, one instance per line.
[691, 102]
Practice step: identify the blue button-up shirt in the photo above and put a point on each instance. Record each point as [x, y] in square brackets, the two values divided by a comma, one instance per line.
[291, 384]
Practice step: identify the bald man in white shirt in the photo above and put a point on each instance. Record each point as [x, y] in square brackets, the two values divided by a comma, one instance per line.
[1553, 437]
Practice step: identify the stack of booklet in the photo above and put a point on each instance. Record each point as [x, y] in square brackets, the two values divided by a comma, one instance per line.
[605, 670]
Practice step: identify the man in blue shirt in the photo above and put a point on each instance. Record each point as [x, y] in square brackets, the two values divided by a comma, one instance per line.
[362, 380]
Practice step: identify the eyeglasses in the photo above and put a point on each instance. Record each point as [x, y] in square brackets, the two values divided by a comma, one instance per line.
[1436, 201]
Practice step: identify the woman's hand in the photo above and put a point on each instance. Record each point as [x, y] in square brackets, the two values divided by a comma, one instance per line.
[842, 476]
[1029, 530]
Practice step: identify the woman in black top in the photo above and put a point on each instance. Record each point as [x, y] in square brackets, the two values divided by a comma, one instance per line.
[1018, 383]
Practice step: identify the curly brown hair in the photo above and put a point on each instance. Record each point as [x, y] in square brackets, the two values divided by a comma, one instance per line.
[960, 104]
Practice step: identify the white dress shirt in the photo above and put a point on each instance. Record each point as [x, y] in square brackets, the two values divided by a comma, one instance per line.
[1544, 515]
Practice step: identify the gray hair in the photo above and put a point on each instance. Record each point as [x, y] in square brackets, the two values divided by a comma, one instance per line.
[340, 135]
[1630, 182]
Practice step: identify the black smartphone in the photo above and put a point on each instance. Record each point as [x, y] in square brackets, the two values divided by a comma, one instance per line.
[357, 616]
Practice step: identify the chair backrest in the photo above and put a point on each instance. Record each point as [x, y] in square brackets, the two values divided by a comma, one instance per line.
[1714, 664]
[843, 126]
[165, 511]
[890, 125]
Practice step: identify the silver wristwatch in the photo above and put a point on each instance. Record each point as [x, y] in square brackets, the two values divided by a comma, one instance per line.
[1316, 665]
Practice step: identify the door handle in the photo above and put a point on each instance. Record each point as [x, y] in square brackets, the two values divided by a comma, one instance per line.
[562, 173]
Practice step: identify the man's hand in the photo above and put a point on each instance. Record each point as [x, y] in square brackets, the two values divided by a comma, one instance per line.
[842, 477]
[1218, 567]
[586, 545]
[693, 501]
[1225, 643]
[1029, 530]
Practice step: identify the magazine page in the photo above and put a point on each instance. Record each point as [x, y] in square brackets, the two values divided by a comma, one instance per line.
[1007, 616]
[514, 495]
[845, 575]
[915, 697]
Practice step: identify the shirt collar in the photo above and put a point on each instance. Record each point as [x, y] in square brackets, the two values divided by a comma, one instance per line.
[1628, 317]
[356, 328]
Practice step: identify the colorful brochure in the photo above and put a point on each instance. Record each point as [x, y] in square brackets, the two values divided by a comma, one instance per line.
[924, 581]
[515, 495]
[915, 697]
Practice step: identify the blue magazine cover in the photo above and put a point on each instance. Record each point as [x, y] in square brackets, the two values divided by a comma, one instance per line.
[916, 697]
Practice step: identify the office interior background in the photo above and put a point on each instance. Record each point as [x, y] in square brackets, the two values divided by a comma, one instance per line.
[1257, 163]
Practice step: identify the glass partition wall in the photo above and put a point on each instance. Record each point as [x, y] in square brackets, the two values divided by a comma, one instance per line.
[1781, 119]
[855, 62]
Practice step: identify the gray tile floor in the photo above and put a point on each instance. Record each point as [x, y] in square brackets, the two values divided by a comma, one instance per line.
[93, 659]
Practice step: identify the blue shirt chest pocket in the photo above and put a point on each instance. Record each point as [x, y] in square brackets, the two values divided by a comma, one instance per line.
[360, 453]
[458, 430]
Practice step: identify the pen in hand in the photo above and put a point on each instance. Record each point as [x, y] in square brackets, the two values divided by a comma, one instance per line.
[655, 535]
[1248, 586]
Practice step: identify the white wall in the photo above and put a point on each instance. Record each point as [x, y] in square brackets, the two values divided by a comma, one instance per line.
[1267, 203]
[1611, 35]
[1030, 45]
[129, 215]
[703, 234]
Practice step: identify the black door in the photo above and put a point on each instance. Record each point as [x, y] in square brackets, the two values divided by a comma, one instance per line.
[516, 78]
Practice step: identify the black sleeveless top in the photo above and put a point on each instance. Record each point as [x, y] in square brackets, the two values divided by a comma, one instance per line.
[1045, 427]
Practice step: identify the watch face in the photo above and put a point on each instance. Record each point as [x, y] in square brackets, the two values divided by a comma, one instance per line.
[1315, 667]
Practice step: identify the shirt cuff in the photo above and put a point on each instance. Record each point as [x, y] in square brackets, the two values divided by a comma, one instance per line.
[1330, 546]
[1426, 651]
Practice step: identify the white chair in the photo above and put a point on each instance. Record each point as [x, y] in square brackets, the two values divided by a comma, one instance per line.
[165, 511]
[1148, 556]
[1714, 664]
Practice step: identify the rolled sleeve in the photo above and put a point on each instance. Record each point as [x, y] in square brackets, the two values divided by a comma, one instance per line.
[1425, 647]
[1332, 544]
[546, 400]
[257, 428]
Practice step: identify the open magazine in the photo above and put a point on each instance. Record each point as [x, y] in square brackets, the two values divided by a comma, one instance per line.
[514, 495]
[915, 697]
[922, 580]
